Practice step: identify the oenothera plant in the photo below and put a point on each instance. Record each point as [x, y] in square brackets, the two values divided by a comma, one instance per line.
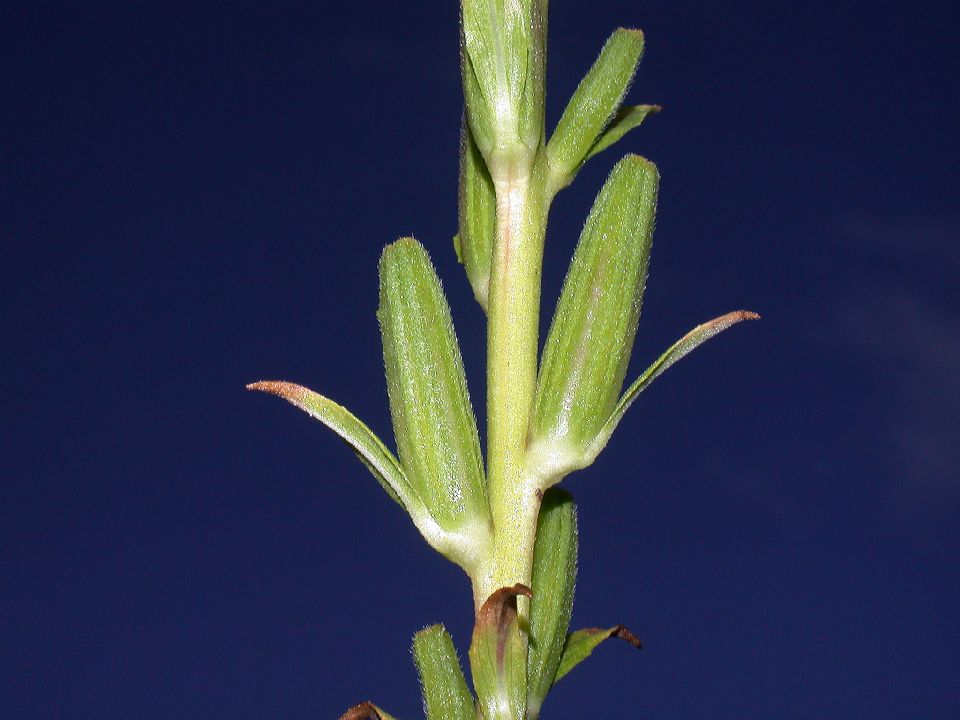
[511, 530]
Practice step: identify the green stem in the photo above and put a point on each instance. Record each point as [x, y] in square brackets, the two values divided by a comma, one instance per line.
[513, 317]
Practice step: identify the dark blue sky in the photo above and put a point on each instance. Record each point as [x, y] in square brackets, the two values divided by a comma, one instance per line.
[194, 197]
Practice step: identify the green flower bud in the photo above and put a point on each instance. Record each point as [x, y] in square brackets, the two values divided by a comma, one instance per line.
[594, 104]
[503, 59]
[591, 337]
[433, 419]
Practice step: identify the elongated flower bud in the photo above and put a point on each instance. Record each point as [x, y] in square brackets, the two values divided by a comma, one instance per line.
[503, 57]
[594, 103]
[591, 337]
[433, 420]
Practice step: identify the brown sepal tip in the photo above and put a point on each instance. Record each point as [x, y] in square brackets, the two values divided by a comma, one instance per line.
[363, 711]
[619, 631]
[286, 390]
[503, 595]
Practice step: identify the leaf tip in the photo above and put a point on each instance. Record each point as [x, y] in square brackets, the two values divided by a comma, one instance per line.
[619, 631]
[635, 32]
[286, 390]
[364, 711]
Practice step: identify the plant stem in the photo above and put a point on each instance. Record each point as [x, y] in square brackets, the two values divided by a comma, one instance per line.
[513, 317]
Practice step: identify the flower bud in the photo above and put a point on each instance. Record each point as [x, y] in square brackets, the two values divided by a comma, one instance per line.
[591, 337]
[433, 419]
[593, 105]
[502, 62]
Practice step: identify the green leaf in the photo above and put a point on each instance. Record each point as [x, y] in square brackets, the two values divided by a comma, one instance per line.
[365, 711]
[594, 102]
[675, 352]
[377, 458]
[626, 119]
[445, 693]
[554, 575]
[478, 217]
[498, 657]
[367, 446]
[503, 76]
[433, 419]
[582, 643]
[591, 336]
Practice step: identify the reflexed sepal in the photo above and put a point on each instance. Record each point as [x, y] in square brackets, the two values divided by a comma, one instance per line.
[433, 419]
[554, 575]
[498, 656]
[503, 77]
[366, 711]
[593, 104]
[445, 693]
[583, 642]
[675, 352]
[478, 217]
[591, 336]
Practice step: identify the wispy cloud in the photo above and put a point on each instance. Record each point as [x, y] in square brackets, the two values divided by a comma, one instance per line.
[903, 322]
[919, 239]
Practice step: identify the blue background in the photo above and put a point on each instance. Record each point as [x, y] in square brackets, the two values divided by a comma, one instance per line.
[195, 196]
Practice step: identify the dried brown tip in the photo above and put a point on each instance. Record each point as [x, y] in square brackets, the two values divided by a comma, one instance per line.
[617, 631]
[502, 595]
[621, 632]
[286, 390]
[363, 711]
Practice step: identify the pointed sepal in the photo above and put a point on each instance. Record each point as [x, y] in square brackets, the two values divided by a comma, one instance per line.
[582, 643]
[433, 419]
[593, 104]
[445, 692]
[553, 579]
[591, 337]
[498, 656]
